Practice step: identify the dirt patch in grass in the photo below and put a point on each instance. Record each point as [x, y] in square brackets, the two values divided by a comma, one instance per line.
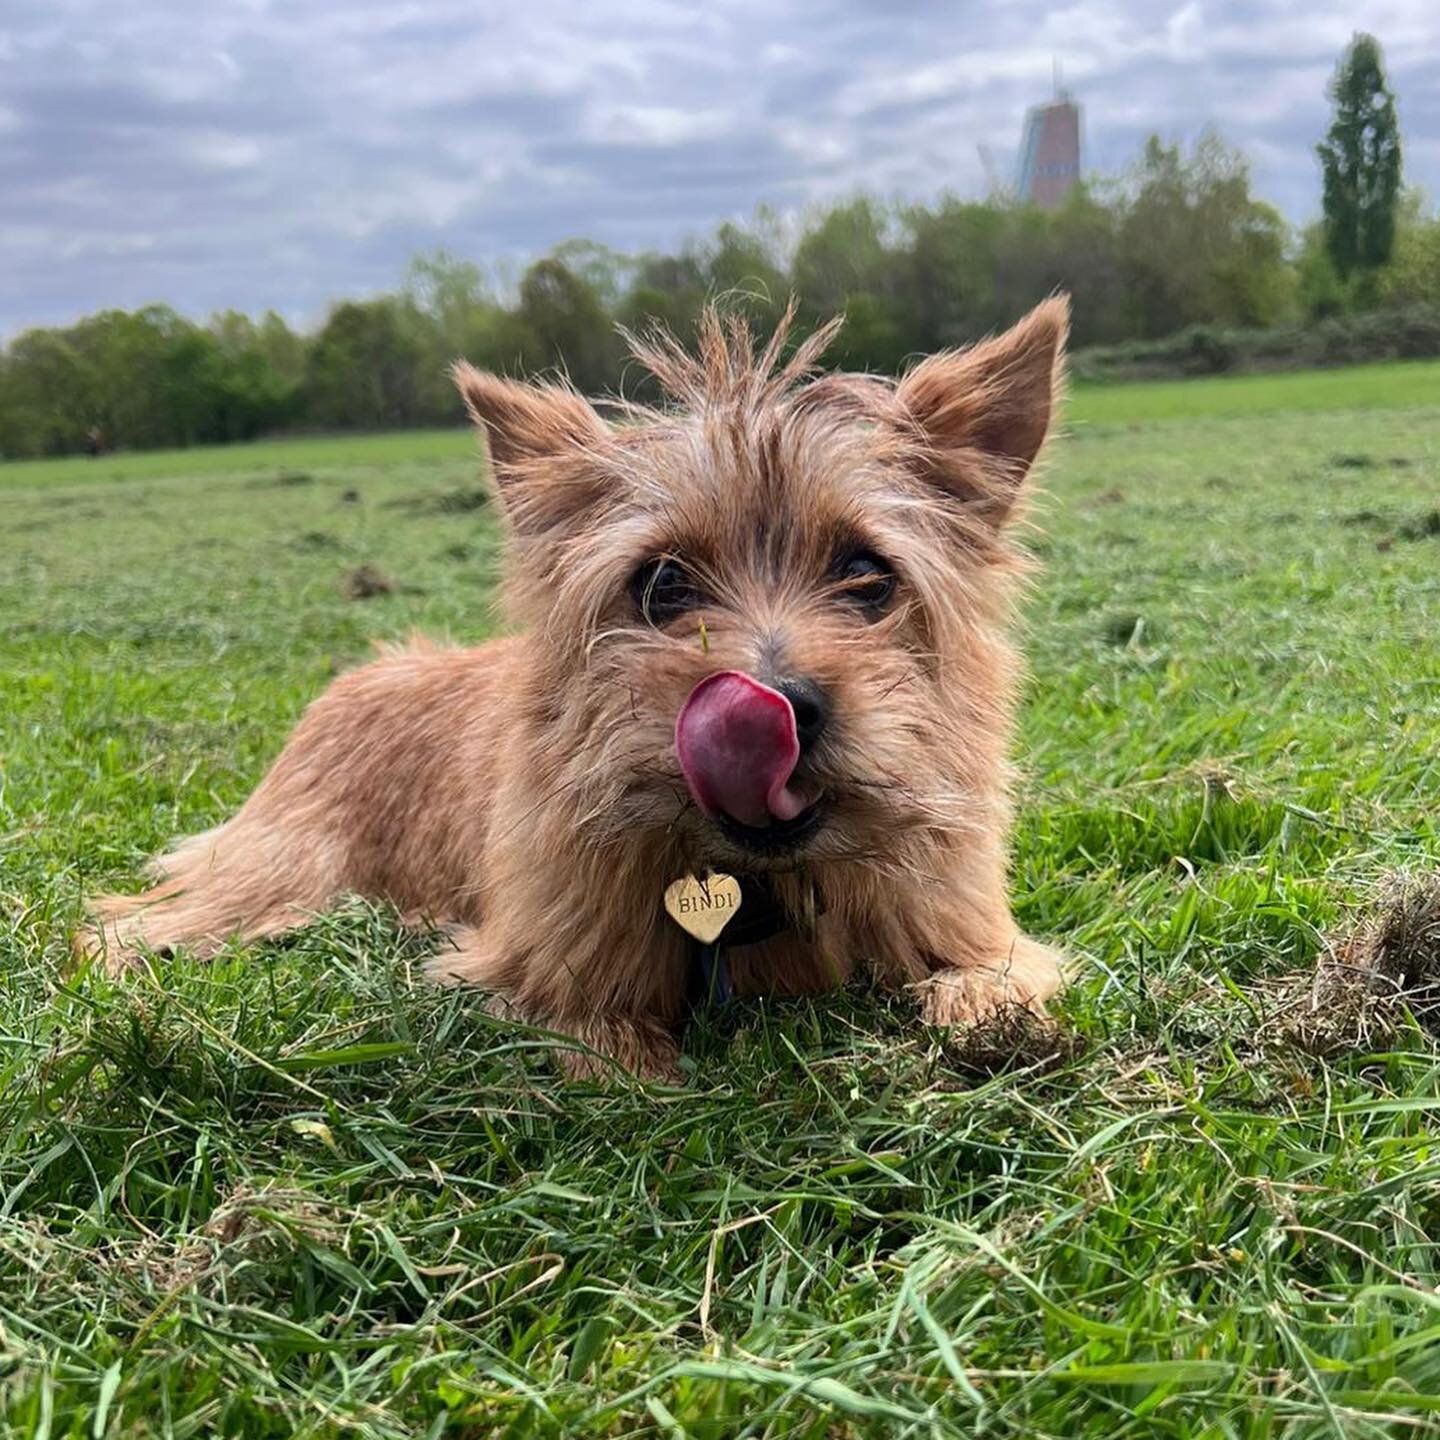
[1012, 1038]
[250, 1225]
[365, 582]
[1369, 980]
[1424, 527]
[464, 501]
[1129, 630]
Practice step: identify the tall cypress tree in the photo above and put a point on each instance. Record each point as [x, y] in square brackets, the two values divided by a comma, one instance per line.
[1360, 156]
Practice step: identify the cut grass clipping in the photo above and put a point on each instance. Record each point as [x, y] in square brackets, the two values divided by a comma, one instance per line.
[301, 1191]
[1383, 975]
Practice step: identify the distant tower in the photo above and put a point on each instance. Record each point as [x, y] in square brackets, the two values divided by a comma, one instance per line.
[1050, 153]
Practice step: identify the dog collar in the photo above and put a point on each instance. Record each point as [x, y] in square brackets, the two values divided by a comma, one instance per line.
[758, 916]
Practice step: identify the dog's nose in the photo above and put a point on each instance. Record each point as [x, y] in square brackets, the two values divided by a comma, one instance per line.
[811, 707]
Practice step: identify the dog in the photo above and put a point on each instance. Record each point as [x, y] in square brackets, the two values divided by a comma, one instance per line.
[759, 632]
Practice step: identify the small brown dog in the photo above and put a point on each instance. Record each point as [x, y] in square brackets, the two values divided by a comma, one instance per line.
[761, 632]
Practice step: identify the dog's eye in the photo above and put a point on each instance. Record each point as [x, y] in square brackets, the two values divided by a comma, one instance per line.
[663, 589]
[865, 579]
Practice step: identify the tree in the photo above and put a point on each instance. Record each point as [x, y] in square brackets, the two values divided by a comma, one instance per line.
[1319, 290]
[1413, 275]
[948, 275]
[448, 293]
[453, 316]
[364, 366]
[283, 349]
[1086, 262]
[742, 262]
[667, 289]
[607, 272]
[1195, 245]
[847, 262]
[569, 325]
[1360, 157]
[47, 393]
[249, 375]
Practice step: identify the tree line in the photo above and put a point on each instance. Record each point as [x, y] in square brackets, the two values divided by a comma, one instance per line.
[1178, 244]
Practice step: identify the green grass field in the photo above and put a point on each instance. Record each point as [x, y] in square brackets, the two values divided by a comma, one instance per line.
[300, 1192]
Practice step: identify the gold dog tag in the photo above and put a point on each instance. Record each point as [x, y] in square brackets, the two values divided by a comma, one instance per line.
[703, 908]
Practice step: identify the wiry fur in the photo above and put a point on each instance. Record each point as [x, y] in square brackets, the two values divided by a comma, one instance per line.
[527, 792]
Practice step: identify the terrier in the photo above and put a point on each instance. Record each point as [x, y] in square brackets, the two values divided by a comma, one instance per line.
[760, 652]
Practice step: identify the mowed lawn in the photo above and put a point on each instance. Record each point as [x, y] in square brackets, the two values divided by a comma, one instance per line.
[299, 1191]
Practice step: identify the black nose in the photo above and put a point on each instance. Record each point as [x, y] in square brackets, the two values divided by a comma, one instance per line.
[811, 707]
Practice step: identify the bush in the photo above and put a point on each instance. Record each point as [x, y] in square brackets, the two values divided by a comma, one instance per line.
[1409, 333]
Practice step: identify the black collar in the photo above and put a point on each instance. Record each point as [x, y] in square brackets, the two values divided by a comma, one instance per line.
[760, 914]
[760, 917]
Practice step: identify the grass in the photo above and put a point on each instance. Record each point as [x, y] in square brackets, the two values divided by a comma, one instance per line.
[301, 1192]
[292, 455]
[1387, 385]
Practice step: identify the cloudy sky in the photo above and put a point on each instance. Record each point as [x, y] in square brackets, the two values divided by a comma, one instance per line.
[255, 153]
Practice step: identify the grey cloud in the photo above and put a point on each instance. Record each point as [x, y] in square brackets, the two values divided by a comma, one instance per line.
[260, 153]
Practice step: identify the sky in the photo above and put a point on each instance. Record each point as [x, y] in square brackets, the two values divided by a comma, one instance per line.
[287, 153]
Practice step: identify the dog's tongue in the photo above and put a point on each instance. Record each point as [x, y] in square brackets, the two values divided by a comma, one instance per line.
[738, 747]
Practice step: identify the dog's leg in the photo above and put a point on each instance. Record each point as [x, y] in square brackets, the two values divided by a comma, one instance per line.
[242, 881]
[362, 798]
[634, 1025]
[955, 946]
[645, 1046]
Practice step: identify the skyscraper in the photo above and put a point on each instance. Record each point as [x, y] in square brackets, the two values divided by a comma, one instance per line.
[1050, 153]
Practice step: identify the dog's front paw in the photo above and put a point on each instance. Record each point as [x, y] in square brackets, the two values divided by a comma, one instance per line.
[644, 1047]
[655, 1065]
[1026, 977]
[106, 945]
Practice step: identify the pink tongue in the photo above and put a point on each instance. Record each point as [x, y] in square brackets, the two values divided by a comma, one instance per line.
[737, 746]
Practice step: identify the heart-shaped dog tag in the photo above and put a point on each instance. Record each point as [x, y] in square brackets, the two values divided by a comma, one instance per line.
[703, 908]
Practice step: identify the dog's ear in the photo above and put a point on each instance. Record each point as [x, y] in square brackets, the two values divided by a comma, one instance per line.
[985, 411]
[538, 436]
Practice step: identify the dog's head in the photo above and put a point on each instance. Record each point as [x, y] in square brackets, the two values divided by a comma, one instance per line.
[770, 616]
